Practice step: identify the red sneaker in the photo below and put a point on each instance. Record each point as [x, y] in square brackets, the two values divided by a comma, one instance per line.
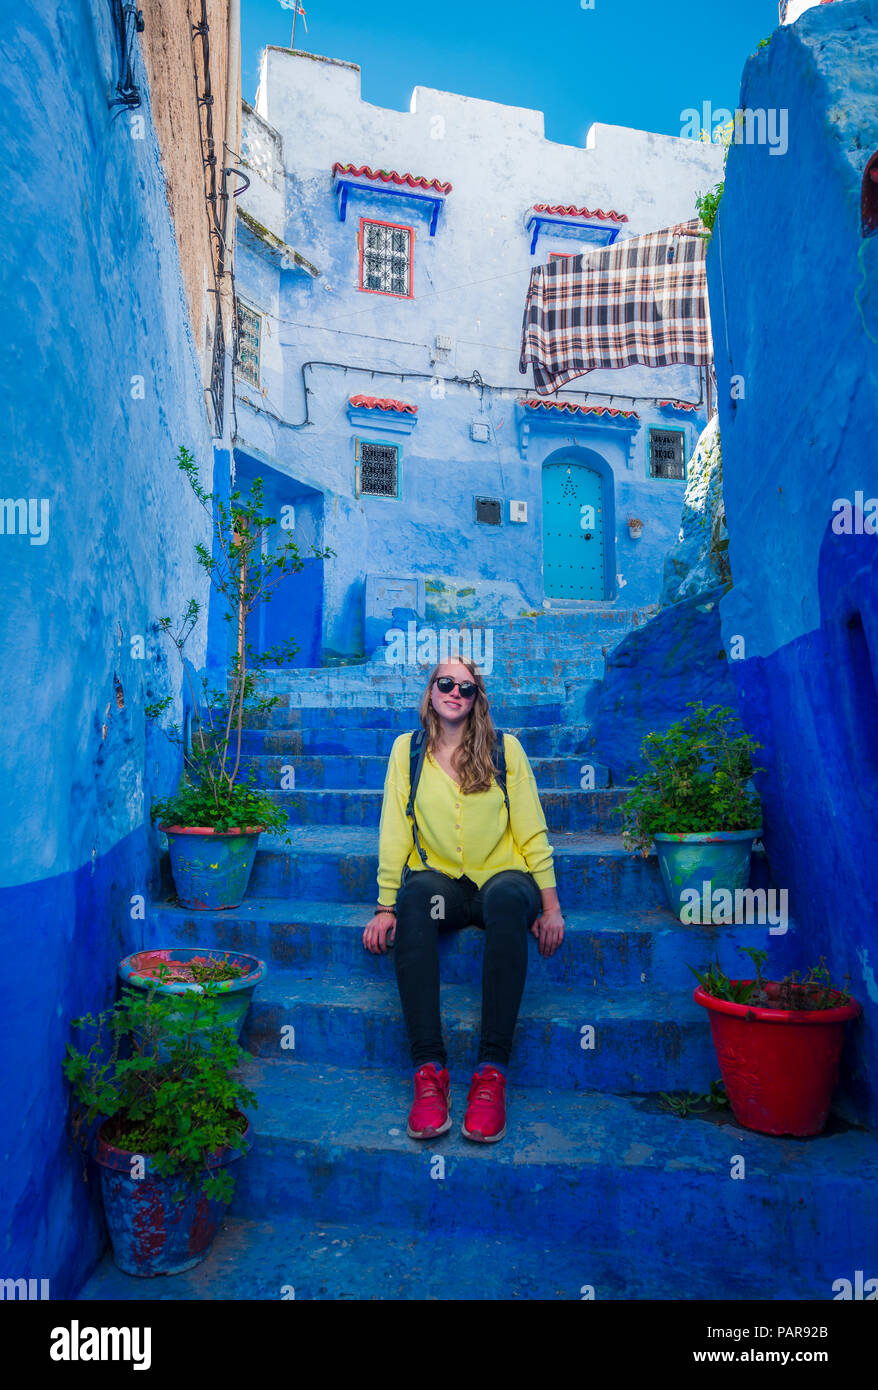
[485, 1119]
[429, 1115]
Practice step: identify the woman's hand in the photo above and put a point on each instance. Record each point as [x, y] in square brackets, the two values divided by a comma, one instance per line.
[549, 930]
[379, 933]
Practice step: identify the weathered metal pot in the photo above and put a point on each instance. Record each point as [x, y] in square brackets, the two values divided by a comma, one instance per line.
[139, 971]
[719, 859]
[211, 868]
[152, 1233]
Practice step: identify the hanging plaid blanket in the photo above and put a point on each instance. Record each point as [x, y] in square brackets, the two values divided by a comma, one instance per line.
[642, 300]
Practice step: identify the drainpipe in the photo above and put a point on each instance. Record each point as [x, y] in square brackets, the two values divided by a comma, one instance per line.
[233, 104]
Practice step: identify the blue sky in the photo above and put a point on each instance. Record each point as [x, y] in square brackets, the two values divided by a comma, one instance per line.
[626, 62]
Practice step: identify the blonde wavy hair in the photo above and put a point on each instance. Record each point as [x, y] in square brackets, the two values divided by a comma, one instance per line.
[474, 759]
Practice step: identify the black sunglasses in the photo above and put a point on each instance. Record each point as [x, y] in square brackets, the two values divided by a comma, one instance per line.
[467, 688]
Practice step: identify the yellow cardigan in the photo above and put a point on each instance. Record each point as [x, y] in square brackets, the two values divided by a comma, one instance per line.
[462, 834]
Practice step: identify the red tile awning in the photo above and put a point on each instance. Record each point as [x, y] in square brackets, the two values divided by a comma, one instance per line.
[559, 210]
[573, 406]
[390, 176]
[382, 403]
[677, 405]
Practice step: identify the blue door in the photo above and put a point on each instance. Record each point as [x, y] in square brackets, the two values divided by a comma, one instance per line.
[573, 532]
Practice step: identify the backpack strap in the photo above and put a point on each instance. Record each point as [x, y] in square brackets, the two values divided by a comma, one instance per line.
[500, 754]
[417, 753]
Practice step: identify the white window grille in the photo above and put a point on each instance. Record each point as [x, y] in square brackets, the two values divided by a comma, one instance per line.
[386, 262]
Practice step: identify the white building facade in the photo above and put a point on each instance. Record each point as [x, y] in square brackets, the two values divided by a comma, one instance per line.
[383, 261]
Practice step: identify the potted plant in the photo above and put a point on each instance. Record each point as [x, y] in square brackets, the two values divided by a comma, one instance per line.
[230, 976]
[214, 819]
[159, 1075]
[635, 527]
[778, 1044]
[696, 803]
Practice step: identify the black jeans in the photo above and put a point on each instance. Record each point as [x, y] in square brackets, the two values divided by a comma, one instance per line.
[506, 906]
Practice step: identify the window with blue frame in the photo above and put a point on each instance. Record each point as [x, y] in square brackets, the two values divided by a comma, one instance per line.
[379, 469]
[386, 258]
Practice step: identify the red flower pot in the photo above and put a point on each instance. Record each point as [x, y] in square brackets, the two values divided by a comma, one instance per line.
[779, 1066]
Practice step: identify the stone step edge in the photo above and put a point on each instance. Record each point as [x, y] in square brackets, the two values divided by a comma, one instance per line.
[637, 1121]
[326, 913]
[389, 1263]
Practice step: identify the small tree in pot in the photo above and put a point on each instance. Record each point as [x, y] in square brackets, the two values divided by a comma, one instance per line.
[214, 819]
[696, 803]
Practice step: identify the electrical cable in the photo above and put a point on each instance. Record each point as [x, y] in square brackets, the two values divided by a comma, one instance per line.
[498, 392]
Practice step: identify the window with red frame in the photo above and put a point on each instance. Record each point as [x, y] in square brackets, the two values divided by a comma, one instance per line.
[561, 256]
[386, 258]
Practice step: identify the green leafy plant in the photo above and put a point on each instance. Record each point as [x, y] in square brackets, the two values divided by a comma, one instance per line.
[816, 991]
[715, 983]
[201, 970]
[691, 1103]
[160, 1072]
[244, 573]
[707, 205]
[697, 779]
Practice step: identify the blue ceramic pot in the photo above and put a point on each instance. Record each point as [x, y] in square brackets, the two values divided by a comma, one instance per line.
[211, 868]
[139, 972]
[150, 1232]
[704, 862]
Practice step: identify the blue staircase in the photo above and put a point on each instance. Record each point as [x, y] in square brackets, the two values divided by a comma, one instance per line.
[598, 1190]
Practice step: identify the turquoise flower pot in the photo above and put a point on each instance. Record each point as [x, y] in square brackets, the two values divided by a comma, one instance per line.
[139, 971]
[704, 862]
[211, 868]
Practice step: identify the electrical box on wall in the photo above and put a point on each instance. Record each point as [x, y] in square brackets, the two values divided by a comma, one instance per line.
[441, 348]
[488, 510]
[480, 431]
[518, 511]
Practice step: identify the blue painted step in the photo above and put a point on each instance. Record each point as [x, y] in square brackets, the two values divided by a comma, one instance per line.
[341, 862]
[355, 772]
[565, 808]
[548, 740]
[601, 947]
[290, 1257]
[609, 1172]
[402, 719]
[643, 1040]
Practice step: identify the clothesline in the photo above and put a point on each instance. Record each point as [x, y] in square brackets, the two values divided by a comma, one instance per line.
[639, 301]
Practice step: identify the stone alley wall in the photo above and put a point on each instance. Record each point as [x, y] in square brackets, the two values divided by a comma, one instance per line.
[102, 383]
[794, 306]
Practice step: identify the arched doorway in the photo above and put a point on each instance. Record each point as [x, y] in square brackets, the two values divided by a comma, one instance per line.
[578, 526]
[295, 609]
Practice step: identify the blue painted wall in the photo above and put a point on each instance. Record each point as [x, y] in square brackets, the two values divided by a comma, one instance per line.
[93, 291]
[651, 676]
[788, 260]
